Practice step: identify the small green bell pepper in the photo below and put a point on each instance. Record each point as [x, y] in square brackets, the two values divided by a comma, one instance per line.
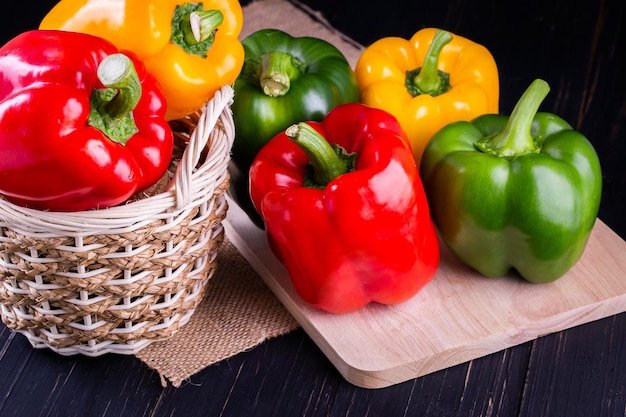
[286, 80]
[519, 192]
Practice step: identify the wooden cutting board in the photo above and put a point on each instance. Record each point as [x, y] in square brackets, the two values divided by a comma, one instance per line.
[457, 317]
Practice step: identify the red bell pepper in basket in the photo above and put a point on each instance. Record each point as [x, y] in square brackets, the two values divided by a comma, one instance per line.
[345, 210]
[82, 126]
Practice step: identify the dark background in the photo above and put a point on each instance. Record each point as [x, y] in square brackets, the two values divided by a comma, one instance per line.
[578, 47]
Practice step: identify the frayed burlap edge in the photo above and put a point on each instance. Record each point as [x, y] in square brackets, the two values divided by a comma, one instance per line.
[297, 19]
[238, 313]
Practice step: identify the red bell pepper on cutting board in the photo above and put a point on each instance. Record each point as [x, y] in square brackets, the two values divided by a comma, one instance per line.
[347, 215]
[82, 125]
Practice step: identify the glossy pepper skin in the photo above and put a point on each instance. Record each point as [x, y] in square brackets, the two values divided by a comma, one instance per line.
[519, 192]
[350, 230]
[286, 80]
[432, 79]
[189, 69]
[68, 141]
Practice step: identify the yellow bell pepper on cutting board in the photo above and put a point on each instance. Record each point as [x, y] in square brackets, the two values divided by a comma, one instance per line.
[428, 81]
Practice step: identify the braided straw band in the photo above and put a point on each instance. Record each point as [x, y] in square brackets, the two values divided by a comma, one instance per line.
[117, 279]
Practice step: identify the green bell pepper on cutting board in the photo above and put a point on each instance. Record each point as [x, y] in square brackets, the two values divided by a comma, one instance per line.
[286, 80]
[519, 192]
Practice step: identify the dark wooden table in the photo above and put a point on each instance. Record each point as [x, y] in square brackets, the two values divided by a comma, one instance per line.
[579, 47]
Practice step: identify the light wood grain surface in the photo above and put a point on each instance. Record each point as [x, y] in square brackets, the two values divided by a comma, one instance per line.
[459, 316]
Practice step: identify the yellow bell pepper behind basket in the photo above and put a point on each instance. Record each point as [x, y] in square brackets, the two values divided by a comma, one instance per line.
[159, 32]
[428, 81]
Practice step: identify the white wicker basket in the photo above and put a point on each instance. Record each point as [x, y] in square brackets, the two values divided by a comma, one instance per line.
[117, 279]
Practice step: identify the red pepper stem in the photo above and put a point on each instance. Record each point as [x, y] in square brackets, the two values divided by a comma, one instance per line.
[428, 80]
[111, 107]
[118, 72]
[201, 25]
[277, 70]
[516, 137]
[327, 165]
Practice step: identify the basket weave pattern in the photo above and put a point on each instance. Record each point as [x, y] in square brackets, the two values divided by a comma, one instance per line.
[117, 279]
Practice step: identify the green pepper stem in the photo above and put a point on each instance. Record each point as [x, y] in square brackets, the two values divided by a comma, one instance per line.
[326, 164]
[429, 80]
[277, 70]
[111, 107]
[201, 25]
[516, 137]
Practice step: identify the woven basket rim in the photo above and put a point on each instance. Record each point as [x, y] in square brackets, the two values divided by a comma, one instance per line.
[117, 279]
[177, 197]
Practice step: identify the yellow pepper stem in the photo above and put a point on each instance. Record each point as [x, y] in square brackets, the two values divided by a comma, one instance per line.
[201, 25]
[429, 79]
[516, 137]
[194, 28]
[278, 69]
[111, 107]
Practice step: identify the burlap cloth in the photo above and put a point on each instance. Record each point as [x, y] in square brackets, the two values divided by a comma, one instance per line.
[239, 311]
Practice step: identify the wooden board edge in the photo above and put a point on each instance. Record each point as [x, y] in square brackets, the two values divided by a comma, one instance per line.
[250, 241]
[377, 379]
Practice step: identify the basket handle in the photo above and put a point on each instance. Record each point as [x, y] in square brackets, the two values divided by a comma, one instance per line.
[198, 139]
